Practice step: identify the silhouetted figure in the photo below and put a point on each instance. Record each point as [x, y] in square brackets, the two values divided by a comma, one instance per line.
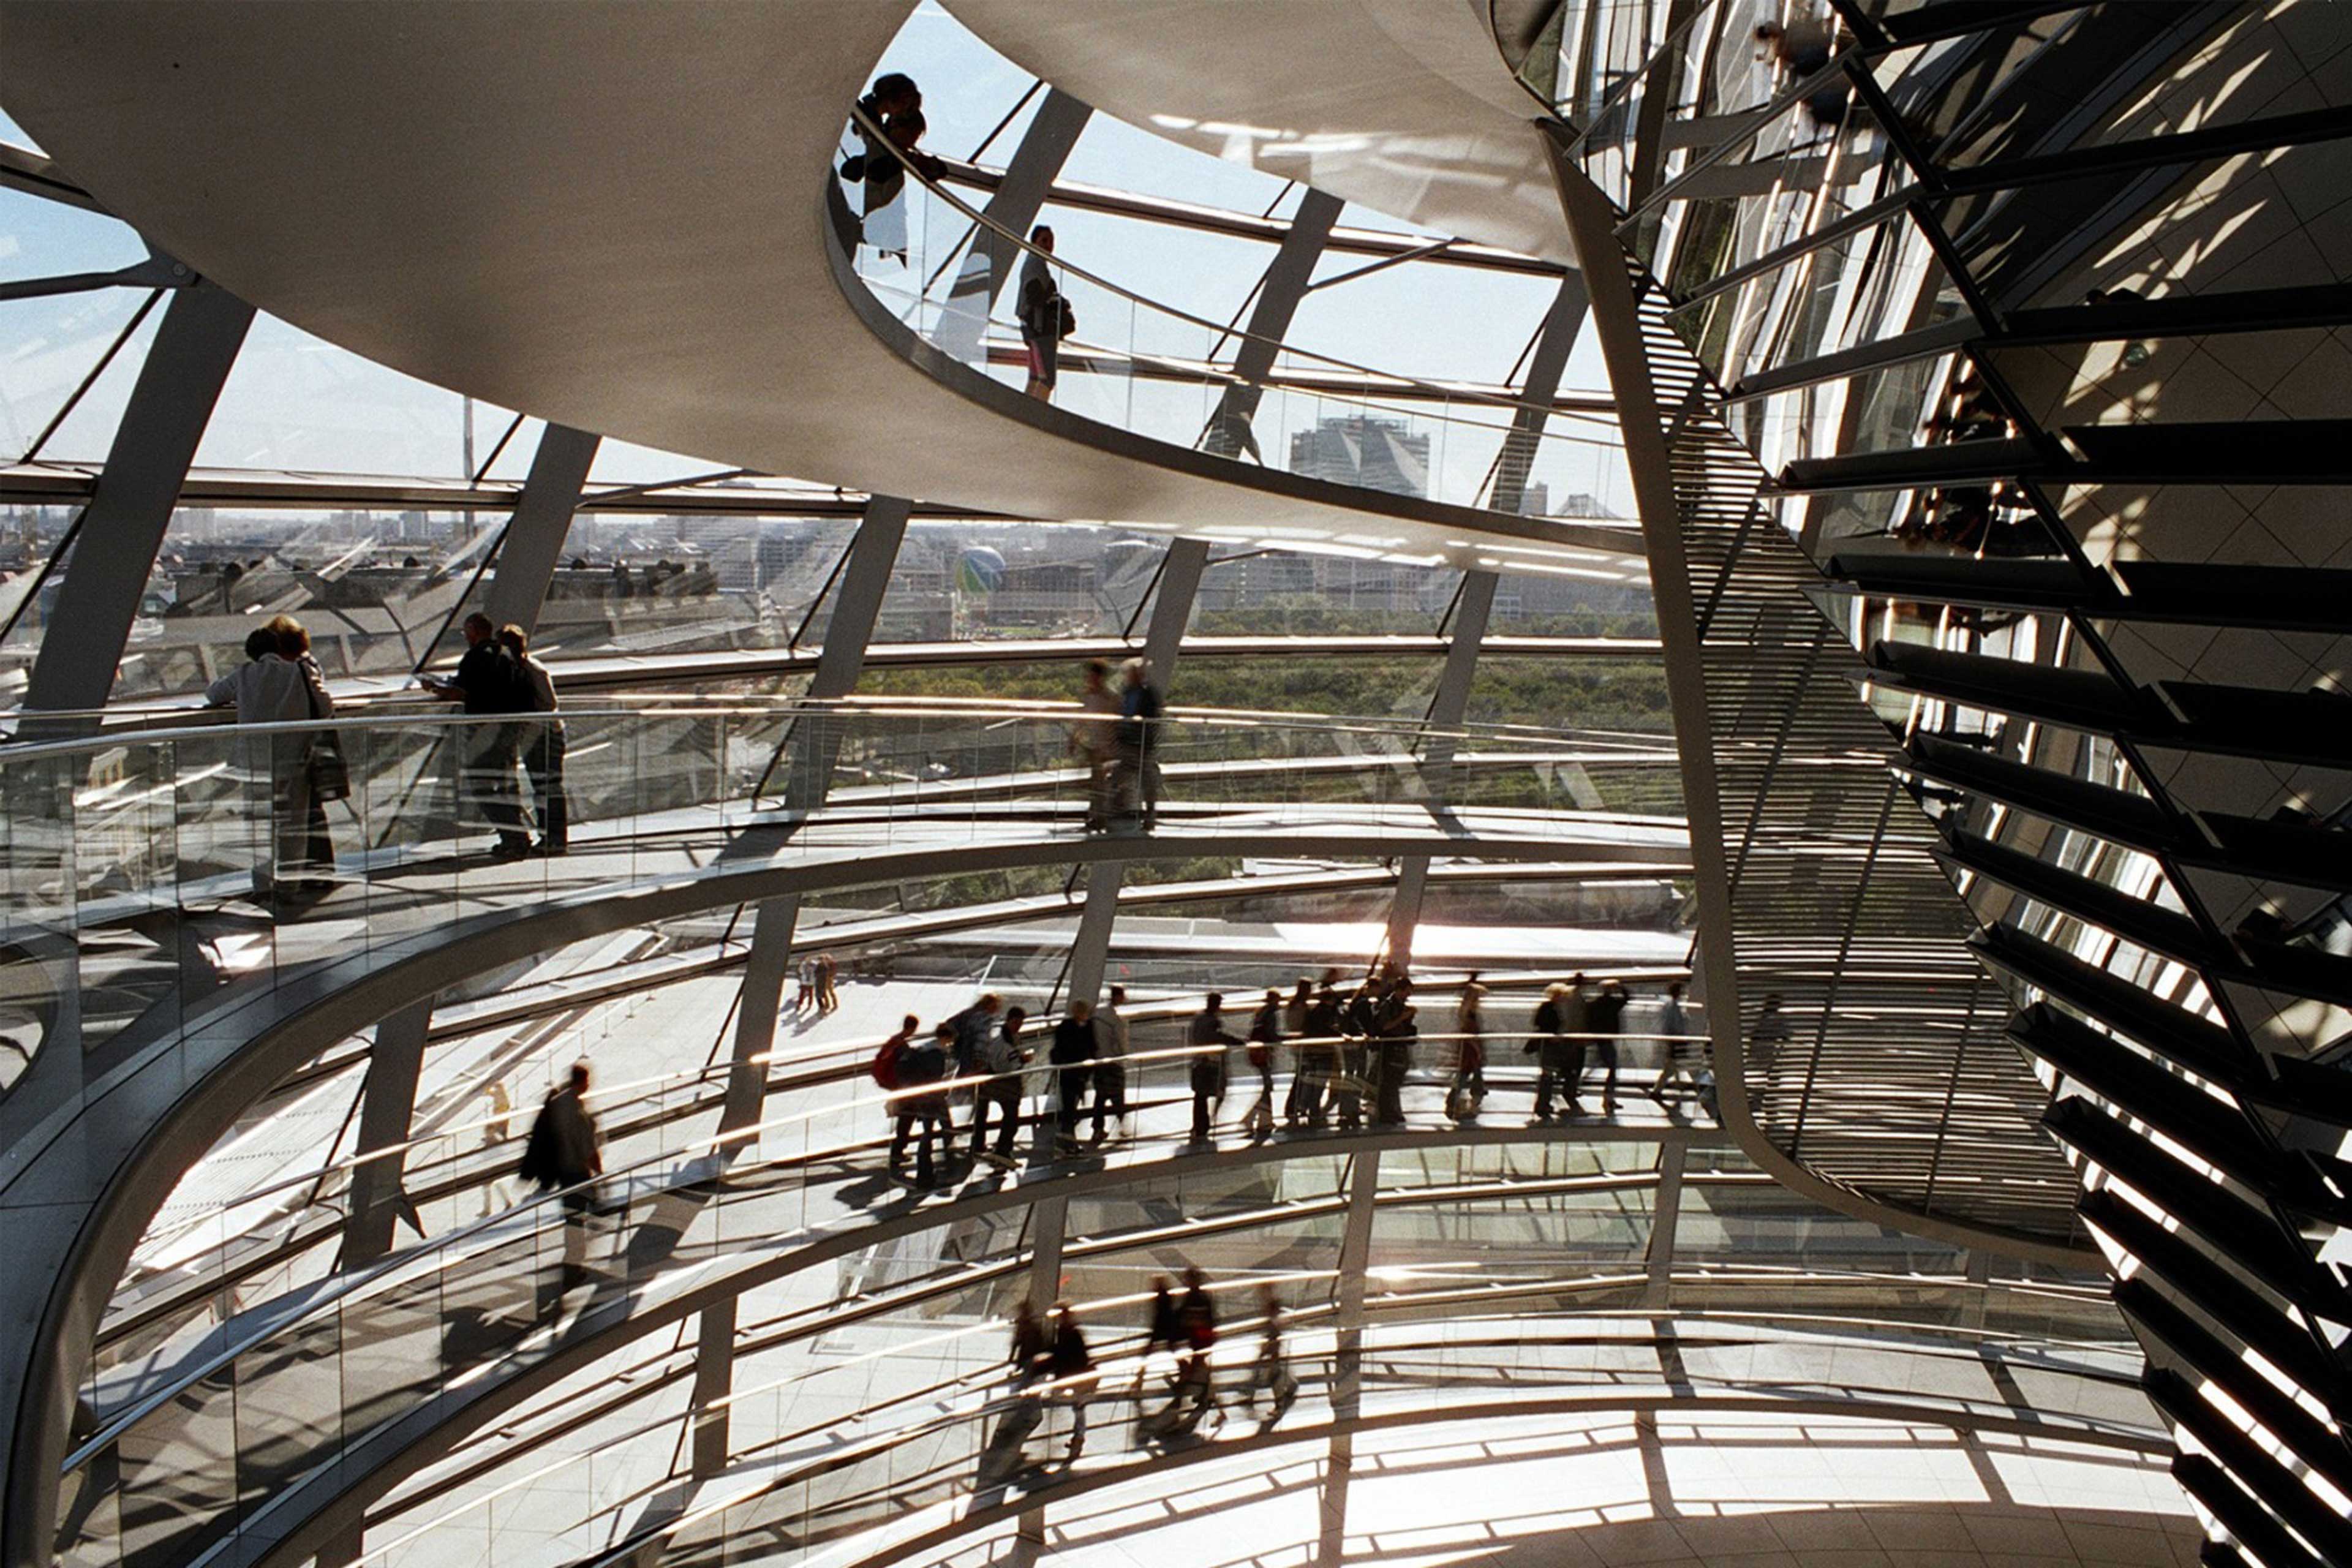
[1207, 1031]
[564, 1154]
[543, 748]
[1073, 1051]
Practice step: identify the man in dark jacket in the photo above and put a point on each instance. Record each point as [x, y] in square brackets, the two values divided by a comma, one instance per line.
[563, 1153]
[922, 1064]
[489, 682]
[1206, 1030]
[1137, 768]
[1073, 1051]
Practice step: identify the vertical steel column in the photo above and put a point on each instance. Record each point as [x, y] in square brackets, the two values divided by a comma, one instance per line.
[388, 1109]
[1021, 194]
[1665, 1218]
[131, 507]
[1355, 1255]
[1591, 229]
[533, 541]
[1048, 1217]
[1278, 296]
[1981, 1299]
[1471, 611]
[1171, 612]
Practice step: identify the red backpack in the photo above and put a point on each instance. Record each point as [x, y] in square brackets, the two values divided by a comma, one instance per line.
[885, 1065]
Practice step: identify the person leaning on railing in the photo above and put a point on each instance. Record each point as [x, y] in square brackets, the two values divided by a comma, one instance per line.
[280, 683]
[489, 682]
[543, 754]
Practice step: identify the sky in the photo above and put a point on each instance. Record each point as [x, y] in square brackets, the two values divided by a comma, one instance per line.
[294, 402]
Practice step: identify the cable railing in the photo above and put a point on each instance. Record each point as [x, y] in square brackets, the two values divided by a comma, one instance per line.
[155, 874]
[1147, 367]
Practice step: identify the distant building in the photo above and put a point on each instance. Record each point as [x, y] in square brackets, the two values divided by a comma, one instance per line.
[1357, 449]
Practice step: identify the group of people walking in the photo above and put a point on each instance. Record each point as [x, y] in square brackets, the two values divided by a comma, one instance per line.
[1353, 1052]
[1052, 1367]
[987, 1044]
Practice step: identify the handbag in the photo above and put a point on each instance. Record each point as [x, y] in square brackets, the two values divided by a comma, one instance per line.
[1068, 323]
[330, 777]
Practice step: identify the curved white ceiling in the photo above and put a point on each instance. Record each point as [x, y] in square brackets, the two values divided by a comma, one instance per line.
[611, 216]
[1402, 105]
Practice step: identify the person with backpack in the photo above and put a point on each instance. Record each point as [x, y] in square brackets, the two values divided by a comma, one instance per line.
[1394, 1028]
[1196, 1386]
[1044, 316]
[1002, 1056]
[490, 683]
[972, 1027]
[1272, 1372]
[1073, 1051]
[1602, 1018]
[884, 1070]
[1163, 1331]
[914, 1067]
[1558, 1044]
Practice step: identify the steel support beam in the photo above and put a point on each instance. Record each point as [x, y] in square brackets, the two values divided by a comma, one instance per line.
[1285, 284]
[1171, 612]
[387, 1110]
[1471, 611]
[1091, 949]
[1666, 1217]
[1592, 225]
[756, 1008]
[1355, 1256]
[533, 541]
[1171, 606]
[1021, 193]
[714, 1383]
[856, 606]
[131, 507]
[1537, 394]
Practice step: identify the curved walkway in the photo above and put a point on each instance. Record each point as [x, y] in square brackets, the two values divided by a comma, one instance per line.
[88, 1147]
[661, 275]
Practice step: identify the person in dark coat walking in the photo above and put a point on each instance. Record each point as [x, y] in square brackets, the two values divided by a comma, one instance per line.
[1207, 1031]
[1073, 1051]
[564, 1154]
